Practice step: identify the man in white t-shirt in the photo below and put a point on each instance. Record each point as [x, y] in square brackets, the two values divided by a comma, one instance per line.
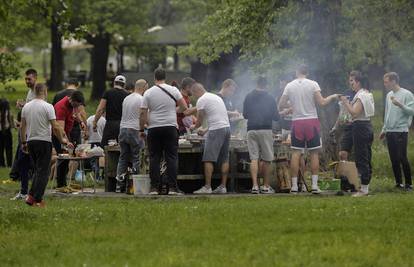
[158, 111]
[95, 138]
[303, 95]
[129, 139]
[38, 120]
[211, 107]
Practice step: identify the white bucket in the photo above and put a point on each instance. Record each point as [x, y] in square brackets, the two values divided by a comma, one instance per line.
[142, 184]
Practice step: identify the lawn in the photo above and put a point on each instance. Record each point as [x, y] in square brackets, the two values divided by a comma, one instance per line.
[279, 230]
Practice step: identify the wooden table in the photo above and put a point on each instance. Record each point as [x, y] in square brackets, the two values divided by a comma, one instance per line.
[190, 166]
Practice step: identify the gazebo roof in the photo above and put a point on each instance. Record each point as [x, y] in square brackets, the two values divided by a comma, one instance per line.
[175, 34]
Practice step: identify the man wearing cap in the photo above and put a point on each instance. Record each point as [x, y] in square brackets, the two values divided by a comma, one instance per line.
[65, 110]
[111, 102]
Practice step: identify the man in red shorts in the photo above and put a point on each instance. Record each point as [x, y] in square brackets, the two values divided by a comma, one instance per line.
[303, 95]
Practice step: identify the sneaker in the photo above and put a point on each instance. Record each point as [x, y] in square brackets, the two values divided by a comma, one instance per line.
[316, 191]
[120, 186]
[175, 192]
[255, 190]
[30, 200]
[408, 187]
[399, 186]
[203, 190]
[153, 191]
[267, 190]
[221, 189]
[19, 196]
[294, 190]
[360, 194]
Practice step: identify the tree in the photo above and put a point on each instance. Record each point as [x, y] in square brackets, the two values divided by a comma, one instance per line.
[104, 22]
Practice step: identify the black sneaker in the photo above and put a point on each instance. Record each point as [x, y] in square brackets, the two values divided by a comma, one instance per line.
[408, 187]
[174, 191]
[120, 186]
[153, 191]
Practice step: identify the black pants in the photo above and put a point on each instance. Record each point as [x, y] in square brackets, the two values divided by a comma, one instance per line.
[363, 136]
[163, 141]
[111, 131]
[62, 167]
[41, 154]
[397, 149]
[6, 145]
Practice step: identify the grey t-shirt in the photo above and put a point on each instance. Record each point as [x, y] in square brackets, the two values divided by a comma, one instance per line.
[161, 107]
[38, 114]
[130, 111]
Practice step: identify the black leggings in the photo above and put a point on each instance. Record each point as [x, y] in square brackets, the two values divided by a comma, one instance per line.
[363, 136]
[6, 145]
[397, 149]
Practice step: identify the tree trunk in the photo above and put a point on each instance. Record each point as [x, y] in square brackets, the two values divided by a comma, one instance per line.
[100, 53]
[56, 66]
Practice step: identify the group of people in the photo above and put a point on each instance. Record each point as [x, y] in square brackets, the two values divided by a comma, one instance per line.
[158, 115]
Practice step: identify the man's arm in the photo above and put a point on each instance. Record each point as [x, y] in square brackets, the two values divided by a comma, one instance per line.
[201, 114]
[323, 101]
[182, 105]
[407, 108]
[99, 111]
[58, 131]
[143, 119]
[356, 109]
[283, 103]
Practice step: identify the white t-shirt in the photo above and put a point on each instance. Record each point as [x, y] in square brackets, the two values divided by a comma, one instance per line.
[301, 94]
[215, 110]
[130, 111]
[161, 107]
[38, 114]
[30, 95]
[367, 100]
[95, 137]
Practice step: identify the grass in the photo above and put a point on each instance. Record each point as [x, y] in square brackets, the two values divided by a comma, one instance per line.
[236, 231]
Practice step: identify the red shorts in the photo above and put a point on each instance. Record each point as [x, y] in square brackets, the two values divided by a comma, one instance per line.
[306, 134]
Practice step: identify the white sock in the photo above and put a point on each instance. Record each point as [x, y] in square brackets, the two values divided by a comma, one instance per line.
[294, 184]
[364, 188]
[314, 181]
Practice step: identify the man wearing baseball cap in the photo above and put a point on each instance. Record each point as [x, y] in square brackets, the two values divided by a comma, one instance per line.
[111, 102]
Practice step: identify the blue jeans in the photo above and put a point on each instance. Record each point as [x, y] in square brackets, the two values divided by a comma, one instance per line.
[130, 144]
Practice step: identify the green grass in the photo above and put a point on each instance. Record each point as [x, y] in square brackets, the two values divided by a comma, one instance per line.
[245, 231]
[238, 231]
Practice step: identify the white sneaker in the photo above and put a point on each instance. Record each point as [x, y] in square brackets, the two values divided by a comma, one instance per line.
[360, 194]
[203, 190]
[267, 190]
[19, 196]
[316, 190]
[220, 190]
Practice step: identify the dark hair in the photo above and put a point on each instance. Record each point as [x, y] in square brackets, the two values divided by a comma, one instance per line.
[261, 82]
[361, 78]
[130, 87]
[159, 74]
[31, 72]
[303, 69]
[174, 83]
[72, 81]
[392, 76]
[77, 96]
[187, 82]
[4, 108]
